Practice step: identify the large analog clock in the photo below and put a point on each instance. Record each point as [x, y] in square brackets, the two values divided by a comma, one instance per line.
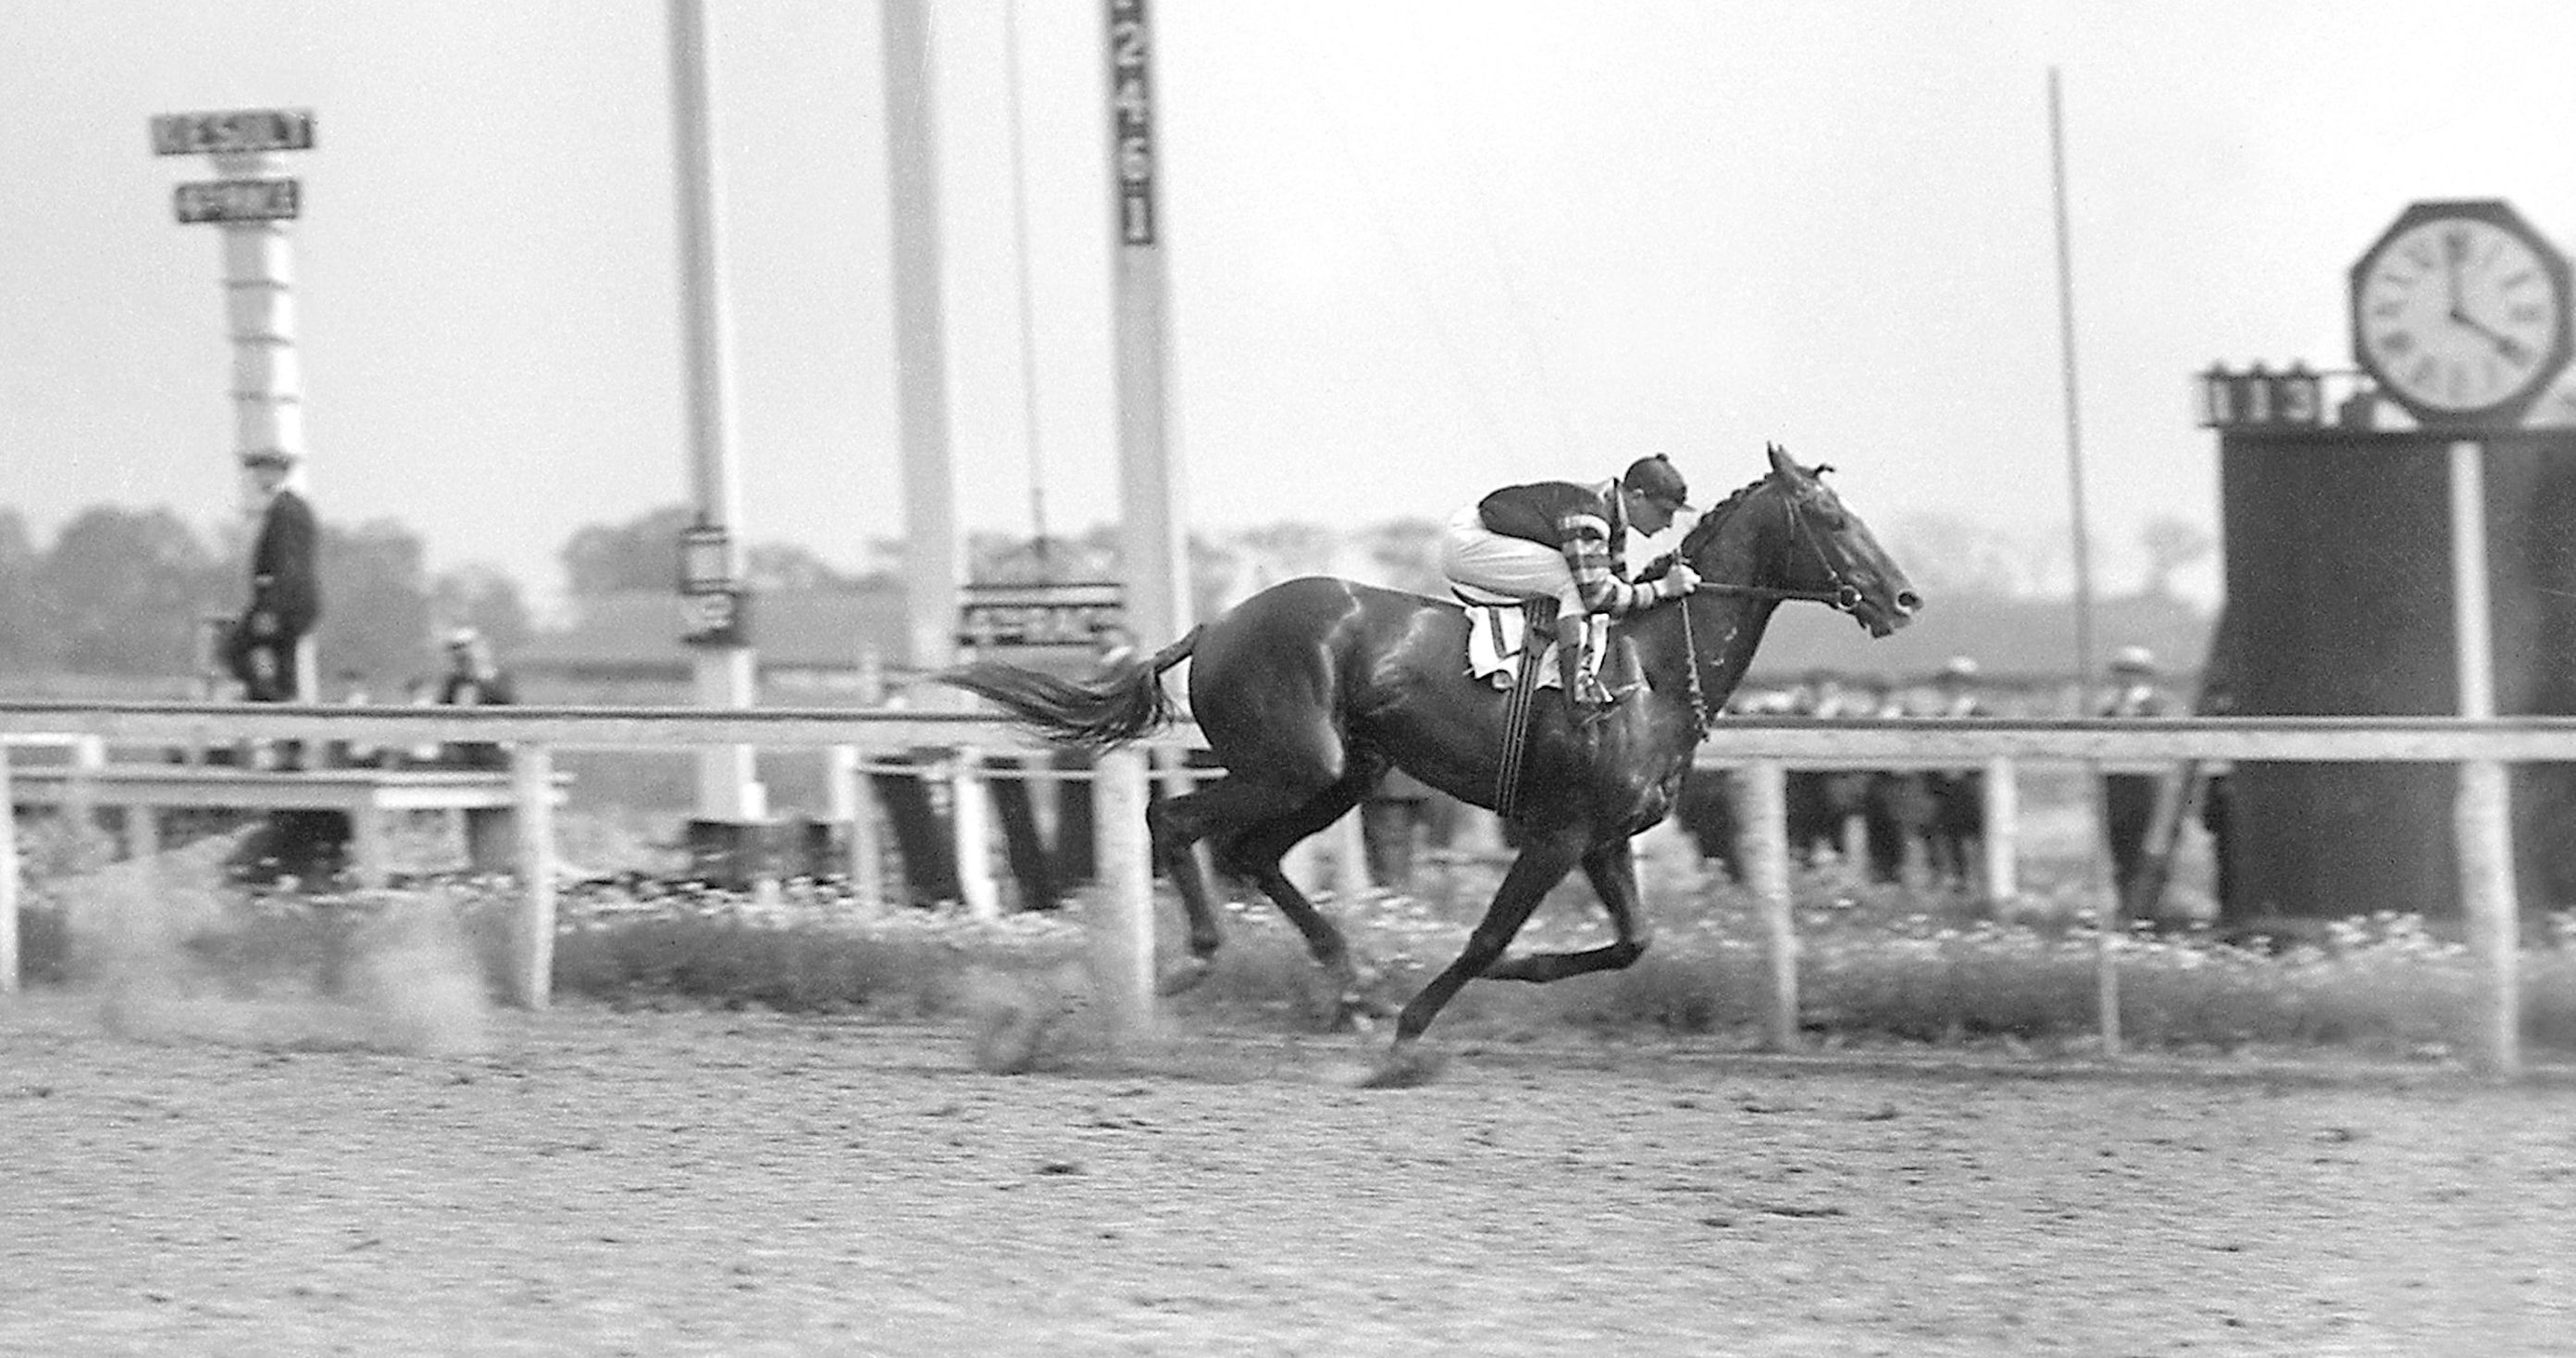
[2460, 311]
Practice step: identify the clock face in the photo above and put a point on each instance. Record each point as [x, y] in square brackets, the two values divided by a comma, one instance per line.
[2460, 313]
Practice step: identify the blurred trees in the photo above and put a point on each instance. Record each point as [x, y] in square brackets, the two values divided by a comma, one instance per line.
[127, 592]
[643, 553]
[2172, 546]
[123, 590]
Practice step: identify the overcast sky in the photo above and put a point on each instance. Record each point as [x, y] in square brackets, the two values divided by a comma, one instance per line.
[1418, 247]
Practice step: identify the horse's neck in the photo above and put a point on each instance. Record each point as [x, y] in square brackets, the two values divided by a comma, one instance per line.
[1719, 634]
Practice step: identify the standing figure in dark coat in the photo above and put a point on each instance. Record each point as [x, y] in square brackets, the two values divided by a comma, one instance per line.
[285, 587]
[1958, 795]
[2129, 799]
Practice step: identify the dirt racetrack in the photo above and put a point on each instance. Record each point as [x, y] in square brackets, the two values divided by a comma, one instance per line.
[603, 1182]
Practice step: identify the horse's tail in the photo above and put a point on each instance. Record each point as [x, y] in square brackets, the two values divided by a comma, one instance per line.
[1090, 714]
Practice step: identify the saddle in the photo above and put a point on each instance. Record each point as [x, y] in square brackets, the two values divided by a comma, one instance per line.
[1511, 644]
[1500, 629]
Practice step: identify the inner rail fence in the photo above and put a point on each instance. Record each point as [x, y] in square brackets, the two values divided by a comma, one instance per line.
[1760, 749]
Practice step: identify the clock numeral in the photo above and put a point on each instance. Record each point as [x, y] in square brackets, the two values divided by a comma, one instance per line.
[2397, 343]
[2455, 245]
[2528, 313]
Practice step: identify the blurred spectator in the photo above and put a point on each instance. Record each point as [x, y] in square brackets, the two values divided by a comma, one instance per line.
[2129, 799]
[474, 680]
[1958, 795]
[1822, 801]
[285, 589]
[1895, 804]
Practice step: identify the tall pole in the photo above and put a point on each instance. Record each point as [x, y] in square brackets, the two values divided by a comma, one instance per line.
[934, 570]
[1155, 567]
[933, 562]
[1028, 307]
[728, 776]
[2106, 969]
[268, 379]
[253, 205]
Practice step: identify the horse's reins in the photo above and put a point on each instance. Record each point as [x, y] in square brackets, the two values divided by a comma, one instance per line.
[1844, 597]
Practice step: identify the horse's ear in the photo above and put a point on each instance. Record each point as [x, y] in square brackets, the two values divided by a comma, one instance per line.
[1781, 466]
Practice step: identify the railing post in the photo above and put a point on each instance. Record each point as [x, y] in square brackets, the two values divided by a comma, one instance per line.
[2002, 839]
[853, 806]
[532, 791]
[970, 823]
[8, 879]
[2482, 824]
[1765, 850]
[1121, 934]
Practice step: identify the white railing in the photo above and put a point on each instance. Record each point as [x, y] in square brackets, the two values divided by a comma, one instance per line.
[1760, 748]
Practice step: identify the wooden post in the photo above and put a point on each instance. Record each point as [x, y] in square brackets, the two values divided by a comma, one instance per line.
[852, 805]
[2482, 815]
[2002, 794]
[8, 879]
[1765, 849]
[970, 823]
[1121, 934]
[532, 787]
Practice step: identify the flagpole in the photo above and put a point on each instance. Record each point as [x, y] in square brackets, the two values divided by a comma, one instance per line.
[2106, 968]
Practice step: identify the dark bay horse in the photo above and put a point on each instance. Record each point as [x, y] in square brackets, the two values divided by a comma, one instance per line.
[1309, 691]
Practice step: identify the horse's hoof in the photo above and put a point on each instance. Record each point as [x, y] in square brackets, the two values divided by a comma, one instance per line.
[1183, 977]
[1405, 1067]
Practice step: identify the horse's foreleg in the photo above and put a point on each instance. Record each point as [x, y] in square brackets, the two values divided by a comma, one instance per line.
[1543, 862]
[1612, 870]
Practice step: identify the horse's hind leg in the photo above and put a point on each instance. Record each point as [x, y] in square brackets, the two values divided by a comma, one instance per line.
[1221, 809]
[1612, 870]
[1254, 853]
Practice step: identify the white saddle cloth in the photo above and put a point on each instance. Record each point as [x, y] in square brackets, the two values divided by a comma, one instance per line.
[1496, 630]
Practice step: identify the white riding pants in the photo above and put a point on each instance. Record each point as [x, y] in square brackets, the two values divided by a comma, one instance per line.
[1474, 555]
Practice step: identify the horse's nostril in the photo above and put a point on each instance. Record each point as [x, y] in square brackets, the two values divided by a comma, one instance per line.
[1908, 600]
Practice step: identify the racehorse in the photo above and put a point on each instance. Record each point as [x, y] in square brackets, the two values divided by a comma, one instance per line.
[1310, 690]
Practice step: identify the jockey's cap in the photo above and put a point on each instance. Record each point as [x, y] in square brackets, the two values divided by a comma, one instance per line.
[1656, 477]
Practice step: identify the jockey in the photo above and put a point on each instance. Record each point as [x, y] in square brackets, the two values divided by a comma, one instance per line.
[1572, 542]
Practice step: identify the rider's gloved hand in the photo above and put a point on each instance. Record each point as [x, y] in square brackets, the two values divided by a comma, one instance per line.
[1680, 581]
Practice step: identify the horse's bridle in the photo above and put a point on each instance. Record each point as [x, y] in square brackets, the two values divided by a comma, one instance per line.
[1844, 597]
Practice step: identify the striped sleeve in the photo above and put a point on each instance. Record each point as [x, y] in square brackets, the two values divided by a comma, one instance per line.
[1585, 540]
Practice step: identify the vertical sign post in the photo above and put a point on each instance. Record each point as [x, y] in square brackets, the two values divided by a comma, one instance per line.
[1148, 483]
[252, 205]
[1150, 548]
[729, 790]
[2482, 813]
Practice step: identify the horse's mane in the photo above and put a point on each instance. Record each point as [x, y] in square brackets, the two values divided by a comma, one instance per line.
[1715, 517]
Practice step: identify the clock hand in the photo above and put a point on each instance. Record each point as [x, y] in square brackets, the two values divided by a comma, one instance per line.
[2506, 345]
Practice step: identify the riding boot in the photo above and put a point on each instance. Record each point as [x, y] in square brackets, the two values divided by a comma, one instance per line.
[1584, 695]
